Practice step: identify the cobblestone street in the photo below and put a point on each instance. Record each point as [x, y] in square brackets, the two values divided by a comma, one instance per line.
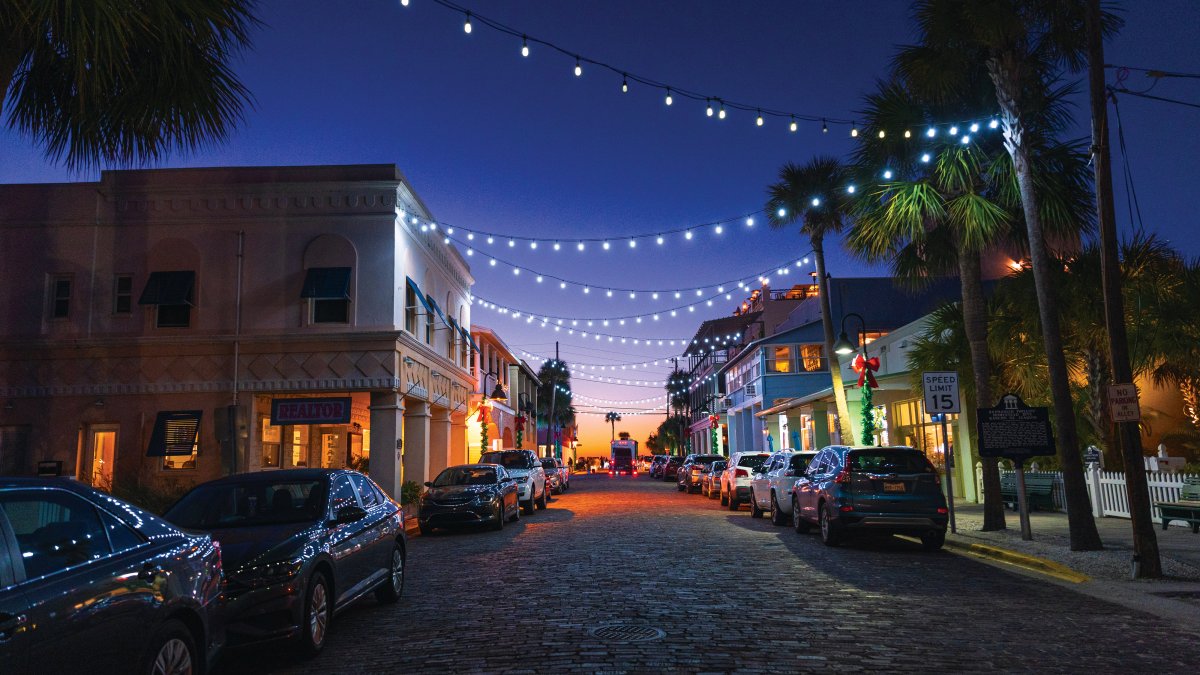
[729, 592]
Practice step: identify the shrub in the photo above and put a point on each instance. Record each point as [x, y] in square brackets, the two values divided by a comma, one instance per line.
[410, 492]
[153, 498]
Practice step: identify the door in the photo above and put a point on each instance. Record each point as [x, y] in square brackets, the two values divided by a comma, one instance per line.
[102, 455]
[347, 543]
[808, 487]
[14, 450]
[378, 533]
[14, 607]
[760, 484]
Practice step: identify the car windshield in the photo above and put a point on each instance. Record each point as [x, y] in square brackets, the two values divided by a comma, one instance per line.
[718, 466]
[248, 504]
[890, 461]
[706, 459]
[549, 465]
[752, 461]
[508, 460]
[465, 475]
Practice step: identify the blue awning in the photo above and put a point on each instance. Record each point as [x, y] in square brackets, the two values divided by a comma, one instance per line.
[470, 340]
[327, 283]
[438, 310]
[420, 296]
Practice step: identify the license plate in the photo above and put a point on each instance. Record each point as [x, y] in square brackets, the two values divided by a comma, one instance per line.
[893, 486]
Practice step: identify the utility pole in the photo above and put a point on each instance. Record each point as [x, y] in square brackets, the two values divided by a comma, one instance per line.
[553, 398]
[1145, 543]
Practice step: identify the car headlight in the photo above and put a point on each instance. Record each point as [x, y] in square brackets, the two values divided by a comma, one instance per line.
[484, 496]
[270, 572]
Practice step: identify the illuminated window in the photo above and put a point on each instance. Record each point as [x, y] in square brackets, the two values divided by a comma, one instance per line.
[298, 445]
[781, 359]
[177, 462]
[810, 357]
[271, 435]
[410, 309]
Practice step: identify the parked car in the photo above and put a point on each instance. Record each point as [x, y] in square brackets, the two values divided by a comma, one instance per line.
[89, 583]
[300, 546]
[710, 480]
[890, 489]
[526, 469]
[735, 480]
[671, 468]
[469, 494]
[689, 473]
[656, 466]
[561, 478]
[771, 487]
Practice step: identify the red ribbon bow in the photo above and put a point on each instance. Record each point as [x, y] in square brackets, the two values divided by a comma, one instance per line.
[863, 367]
[483, 414]
[520, 423]
[714, 420]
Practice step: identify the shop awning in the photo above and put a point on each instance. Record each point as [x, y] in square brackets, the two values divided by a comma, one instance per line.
[438, 310]
[470, 340]
[168, 288]
[174, 433]
[420, 296]
[327, 283]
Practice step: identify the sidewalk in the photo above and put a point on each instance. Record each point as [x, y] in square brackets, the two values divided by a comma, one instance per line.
[1107, 572]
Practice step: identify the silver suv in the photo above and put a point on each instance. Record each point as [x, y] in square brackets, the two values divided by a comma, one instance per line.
[735, 481]
[771, 488]
[526, 469]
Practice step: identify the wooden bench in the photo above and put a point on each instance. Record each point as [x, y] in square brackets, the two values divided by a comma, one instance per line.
[1039, 491]
[1186, 509]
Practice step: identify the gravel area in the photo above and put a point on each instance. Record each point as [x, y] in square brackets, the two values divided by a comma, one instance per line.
[1111, 564]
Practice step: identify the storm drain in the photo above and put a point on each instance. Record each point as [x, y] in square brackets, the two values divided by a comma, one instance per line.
[626, 633]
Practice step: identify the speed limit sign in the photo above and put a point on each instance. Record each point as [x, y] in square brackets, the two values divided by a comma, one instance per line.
[941, 392]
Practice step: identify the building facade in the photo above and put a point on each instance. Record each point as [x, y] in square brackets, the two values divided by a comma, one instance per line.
[508, 418]
[165, 327]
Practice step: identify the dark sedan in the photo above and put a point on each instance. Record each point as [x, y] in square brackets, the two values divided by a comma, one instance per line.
[470, 494]
[300, 546]
[670, 469]
[89, 583]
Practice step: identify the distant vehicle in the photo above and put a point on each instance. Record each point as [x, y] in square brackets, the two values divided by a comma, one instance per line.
[670, 470]
[91, 584]
[656, 466]
[300, 546]
[735, 482]
[693, 468]
[771, 487]
[526, 469]
[623, 458]
[554, 482]
[710, 480]
[880, 489]
[472, 494]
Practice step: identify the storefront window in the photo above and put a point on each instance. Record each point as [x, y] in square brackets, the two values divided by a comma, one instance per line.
[175, 462]
[810, 357]
[271, 455]
[298, 445]
[909, 425]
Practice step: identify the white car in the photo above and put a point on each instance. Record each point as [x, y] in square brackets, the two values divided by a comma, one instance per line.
[771, 488]
[526, 469]
[735, 481]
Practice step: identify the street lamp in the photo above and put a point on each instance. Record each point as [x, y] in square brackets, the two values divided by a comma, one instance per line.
[498, 393]
[843, 345]
[613, 418]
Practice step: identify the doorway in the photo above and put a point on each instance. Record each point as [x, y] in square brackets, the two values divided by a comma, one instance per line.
[102, 455]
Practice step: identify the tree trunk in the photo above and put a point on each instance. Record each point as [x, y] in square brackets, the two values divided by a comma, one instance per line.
[1084, 536]
[845, 432]
[974, 309]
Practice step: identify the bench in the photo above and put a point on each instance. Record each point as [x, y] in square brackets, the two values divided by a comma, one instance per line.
[1039, 491]
[1186, 509]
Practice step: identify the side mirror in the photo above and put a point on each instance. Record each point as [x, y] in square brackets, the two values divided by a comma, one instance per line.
[428, 483]
[349, 514]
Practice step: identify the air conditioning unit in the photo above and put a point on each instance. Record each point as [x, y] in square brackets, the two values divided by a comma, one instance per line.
[727, 403]
[751, 390]
[722, 405]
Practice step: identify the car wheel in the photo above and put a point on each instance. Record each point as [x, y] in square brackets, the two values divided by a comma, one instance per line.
[932, 541]
[528, 506]
[426, 529]
[498, 523]
[724, 498]
[315, 626]
[831, 532]
[734, 505]
[777, 517]
[541, 504]
[704, 490]
[755, 512]
[172, 651]
[681, 486]
[392, 587]
[798, 522]
[516, 516]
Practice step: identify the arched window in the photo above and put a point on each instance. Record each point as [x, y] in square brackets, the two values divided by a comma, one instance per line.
[329, 265]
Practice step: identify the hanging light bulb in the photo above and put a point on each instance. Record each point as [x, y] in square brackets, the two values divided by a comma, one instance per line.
[669, 99]
[854, 130]
[931, 132]
[965, 139]
[993, 124]
[974, 127]
[824, 127]
[533, 244]
[524, 47]
[908, 133]
[659, 241]
[749, 222]
[606, 246]
[708, 111]
[404, 3]
[882, 133]
[925, 158]
[719, 229]
[687, 235]
[467, 24]
[721, 112]
[953, 131]
[759, 121]
[579, 246]
[624, 84]
[792, 126]
[782, 212]
[557, 246]
[578, 67]
[816, 201]
[850, 189]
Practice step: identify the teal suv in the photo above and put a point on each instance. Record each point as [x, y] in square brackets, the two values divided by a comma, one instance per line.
[892, 490]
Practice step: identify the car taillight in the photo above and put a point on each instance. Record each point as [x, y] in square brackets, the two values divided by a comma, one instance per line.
[742, 473]
[847, 508]
[942, 511]
[843, 477]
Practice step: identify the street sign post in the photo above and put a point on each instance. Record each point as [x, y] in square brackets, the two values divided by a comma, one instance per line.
[1015, 431]
[1123, 402]
[941, 399]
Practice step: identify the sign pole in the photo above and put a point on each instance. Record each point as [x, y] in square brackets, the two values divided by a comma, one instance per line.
[1022, 503]
[949, 475]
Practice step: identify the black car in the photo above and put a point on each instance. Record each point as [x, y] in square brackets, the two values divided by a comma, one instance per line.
[300, 545]
[469, 494]
[89, 583]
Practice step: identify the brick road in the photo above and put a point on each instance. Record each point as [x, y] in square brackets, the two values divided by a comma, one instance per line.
[730, 592]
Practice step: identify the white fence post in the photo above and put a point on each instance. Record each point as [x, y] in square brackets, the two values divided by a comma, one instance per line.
[1093, 485]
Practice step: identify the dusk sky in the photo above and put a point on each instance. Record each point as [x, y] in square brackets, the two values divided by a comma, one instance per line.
[497, 142]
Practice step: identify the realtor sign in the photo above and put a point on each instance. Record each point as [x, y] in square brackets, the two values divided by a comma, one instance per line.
[310, 410]
[941, 392]
[1123, 402]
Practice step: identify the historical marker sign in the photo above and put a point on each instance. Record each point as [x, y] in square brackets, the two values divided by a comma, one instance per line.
[1123, 402]
[1014, 430]
[941, 392]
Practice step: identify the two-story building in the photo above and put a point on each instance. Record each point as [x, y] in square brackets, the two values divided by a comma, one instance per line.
[495, 365]
[160, 328]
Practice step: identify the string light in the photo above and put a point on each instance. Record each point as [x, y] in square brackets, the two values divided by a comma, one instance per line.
[669, 99]
[524, 47]
[578, 68]
[467, 24]
[759, 120]
[624, 85]
[709, 110]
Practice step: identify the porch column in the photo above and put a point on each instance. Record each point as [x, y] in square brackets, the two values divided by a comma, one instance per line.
[820, 418]
[795, 429]
[387, 432]
[439, 440]
[416, 441]
[458, 439]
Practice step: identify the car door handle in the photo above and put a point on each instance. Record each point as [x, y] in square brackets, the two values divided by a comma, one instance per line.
[9, 623]
[149, 572]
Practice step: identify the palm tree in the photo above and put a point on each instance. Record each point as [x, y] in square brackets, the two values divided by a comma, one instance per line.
[555, 380]
[612, 418]
[1024, 45]
[814, 195]
[119, 81]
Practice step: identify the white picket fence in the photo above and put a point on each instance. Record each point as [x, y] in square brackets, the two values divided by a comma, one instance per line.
[1107, 489]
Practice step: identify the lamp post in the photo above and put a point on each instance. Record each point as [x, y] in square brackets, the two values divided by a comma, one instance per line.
[612, 418]
[485, 405]
[864, 367]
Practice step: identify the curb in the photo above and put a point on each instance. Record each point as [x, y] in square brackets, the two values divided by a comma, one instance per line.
[411, 527]
[1027, 562]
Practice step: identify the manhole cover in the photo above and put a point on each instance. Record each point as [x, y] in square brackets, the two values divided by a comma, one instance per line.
[627, 633]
